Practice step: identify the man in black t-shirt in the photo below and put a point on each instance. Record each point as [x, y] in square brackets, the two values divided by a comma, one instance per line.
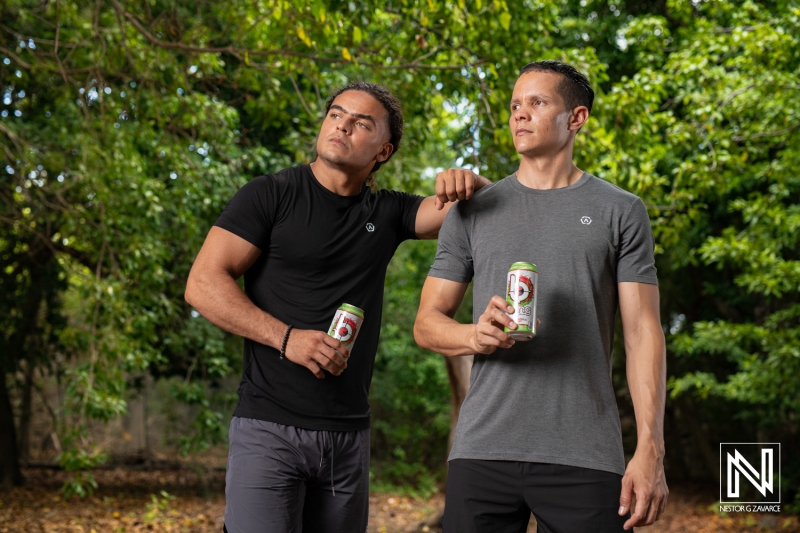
[308, 239]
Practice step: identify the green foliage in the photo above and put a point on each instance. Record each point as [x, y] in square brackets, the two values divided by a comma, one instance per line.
[80, 461]
[158, 506]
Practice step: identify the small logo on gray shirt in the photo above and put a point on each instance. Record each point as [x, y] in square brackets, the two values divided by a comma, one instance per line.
[586, 221]
[370, 227]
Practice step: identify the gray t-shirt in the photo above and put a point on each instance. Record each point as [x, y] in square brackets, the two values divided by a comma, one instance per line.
[550, 399]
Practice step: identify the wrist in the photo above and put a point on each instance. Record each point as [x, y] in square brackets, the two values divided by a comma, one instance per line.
[285, 342]
[650, 448]
[272, 331]
[472, 338]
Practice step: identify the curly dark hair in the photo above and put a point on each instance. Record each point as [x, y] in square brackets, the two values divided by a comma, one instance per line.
[390, 104]
[574, 87]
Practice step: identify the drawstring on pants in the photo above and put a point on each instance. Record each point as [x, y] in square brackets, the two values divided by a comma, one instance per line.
[322, 454]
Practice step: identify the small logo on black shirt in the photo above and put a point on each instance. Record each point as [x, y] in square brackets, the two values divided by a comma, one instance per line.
[370, 227]
[586, 221]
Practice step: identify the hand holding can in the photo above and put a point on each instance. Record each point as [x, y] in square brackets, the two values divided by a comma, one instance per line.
[488, 333]
[316, 351]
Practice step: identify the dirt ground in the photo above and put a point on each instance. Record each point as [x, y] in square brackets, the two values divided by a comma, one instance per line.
[187, 501]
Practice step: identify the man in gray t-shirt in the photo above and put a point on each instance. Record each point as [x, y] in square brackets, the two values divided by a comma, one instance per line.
[539, 429]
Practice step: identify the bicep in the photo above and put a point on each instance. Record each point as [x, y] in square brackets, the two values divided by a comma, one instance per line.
[224, 251]
[638, 306]
[441, 295]
[429, 219]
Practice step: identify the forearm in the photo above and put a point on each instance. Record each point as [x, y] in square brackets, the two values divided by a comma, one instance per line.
[646, 371]
[217, 297]
[451, 186]
[436, 331]
[481, 182]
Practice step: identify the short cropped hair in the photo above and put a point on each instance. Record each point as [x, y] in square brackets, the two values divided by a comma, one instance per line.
[574, 87]
[390, 103]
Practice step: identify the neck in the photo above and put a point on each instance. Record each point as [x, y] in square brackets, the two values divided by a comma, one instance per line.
[553, 171]
[338, 180]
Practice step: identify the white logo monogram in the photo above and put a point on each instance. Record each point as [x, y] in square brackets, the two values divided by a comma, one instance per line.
[764, 479]
[738, 464]
[370, 227]
[586, 221]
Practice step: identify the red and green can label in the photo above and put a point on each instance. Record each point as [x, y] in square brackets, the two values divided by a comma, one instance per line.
[346, 324]
[521, 288]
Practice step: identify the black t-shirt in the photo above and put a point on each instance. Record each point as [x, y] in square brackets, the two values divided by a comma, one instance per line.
[319, 250]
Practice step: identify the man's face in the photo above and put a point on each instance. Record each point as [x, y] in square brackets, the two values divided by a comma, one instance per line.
[355, 133]
[540, 121]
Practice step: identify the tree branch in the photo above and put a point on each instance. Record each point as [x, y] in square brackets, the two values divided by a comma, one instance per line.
[241, 52]
[15, 57]
[767, 133]
[11, 135]
[57, 246]
[230, 49]
[55, 46]
[300, 95]
[733, 95]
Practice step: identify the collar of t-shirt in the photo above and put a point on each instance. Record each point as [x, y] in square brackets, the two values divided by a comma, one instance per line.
[343, 200]
[528, 190]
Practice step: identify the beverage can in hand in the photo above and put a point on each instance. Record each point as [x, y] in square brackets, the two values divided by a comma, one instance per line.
[346, 324]
[521, 288]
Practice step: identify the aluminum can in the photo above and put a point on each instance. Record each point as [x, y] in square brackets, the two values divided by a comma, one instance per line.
[521, 288]
[346, 324]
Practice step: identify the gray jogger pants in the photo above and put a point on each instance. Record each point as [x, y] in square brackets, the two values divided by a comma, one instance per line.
[284, 479]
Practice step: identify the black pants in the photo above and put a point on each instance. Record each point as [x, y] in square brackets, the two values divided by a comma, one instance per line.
[499, 496]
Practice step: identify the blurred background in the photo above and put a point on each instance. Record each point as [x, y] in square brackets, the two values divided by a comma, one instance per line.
[125, 127]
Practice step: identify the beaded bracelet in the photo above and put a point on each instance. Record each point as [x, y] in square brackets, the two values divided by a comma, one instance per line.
[285, 341]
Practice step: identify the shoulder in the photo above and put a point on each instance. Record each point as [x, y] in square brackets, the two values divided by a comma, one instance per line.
[498, 187]
[610, 192]
[625, 208]
[281, 181]
[483, 199]
[290, 176]
[389, 196]
[264, 181]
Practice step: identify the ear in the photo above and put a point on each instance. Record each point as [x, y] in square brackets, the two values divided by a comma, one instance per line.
[578, 118]
[385, 152]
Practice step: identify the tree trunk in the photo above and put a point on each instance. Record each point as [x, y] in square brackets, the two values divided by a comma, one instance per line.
[26, 411]
[14, 350]
[458, 371]
[675, 462]
[710, 459]
[135, 425]
[10, 473]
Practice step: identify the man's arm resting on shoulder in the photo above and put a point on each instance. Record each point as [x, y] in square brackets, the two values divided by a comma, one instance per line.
[212, 290]
[645, 350]
[435, 329]
[451, 185]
